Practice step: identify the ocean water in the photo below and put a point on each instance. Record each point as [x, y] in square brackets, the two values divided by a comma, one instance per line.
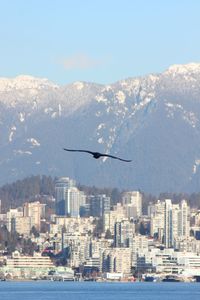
[96, 291]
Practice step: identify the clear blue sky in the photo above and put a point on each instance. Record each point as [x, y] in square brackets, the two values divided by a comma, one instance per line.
[96, 40]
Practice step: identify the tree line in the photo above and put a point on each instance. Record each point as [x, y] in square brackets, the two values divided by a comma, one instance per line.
[33, 188]
[14, 194]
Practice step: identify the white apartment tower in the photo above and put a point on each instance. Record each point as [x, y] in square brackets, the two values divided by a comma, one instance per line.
[184, 226]
[168, 230]
[36, 211]
[176, 223]
[156, 212]
[133, 201]
[68, 197]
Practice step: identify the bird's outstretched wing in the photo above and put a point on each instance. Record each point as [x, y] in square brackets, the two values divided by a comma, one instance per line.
[78, 150]
[96, 154]
[115, 157]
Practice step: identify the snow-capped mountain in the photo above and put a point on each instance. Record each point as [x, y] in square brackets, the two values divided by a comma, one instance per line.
[153, 120]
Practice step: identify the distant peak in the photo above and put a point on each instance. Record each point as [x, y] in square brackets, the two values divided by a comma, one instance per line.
[181, 69]
[26, 77]
[79, 85]
[29, 78]
[24, 81]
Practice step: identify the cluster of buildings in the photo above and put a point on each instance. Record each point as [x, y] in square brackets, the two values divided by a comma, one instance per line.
[97, 240]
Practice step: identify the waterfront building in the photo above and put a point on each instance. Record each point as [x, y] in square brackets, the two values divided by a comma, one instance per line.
[117, 260]
[139, 245]
[78, 247]
[189, 244]
[22, 261]
[23, 266]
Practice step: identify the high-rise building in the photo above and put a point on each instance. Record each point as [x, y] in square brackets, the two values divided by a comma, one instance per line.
[110, 218]
[62, 186]
[156, 212]
[68, 197]
[76, 199]
[168, 229]
[139, 245]
[23, 225]
[36, 211]
[123, 235]
[99, 205]
[133, 202]
[176, 223]
[197, 218]
[11, 216]
[117, 260]
[184, 223]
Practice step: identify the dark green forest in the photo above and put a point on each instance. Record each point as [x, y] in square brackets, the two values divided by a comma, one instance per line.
[26, 190]
[39, 187]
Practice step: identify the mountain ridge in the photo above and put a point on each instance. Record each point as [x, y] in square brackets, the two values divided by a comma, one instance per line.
[153, 120]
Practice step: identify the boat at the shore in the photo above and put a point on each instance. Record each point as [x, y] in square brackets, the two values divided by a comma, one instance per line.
[172, 278]
[150, 278]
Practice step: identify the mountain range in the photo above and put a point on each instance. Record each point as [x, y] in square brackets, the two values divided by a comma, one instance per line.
[153, 120]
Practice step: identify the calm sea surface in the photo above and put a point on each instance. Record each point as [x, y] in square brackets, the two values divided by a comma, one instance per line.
[96, 291]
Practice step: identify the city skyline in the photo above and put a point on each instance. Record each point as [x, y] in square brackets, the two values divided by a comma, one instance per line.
[103, 243]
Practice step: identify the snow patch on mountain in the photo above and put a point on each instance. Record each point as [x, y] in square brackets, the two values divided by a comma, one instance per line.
[35, 105]
[48, 110]
[21, 152]
[101, 126]
[13, 129]
[33, 142]
[188, 116]
[195, 166]
[54, 115]
[100, 140]
[59, 109]
[107, 88]
[98, 114]
[22, 117]
[121, 97]
[101, 98]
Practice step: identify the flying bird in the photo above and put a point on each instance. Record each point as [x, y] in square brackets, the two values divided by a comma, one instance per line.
[97, 154]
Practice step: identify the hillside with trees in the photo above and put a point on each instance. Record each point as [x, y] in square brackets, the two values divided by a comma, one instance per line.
[29, 189]
[42, 188]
